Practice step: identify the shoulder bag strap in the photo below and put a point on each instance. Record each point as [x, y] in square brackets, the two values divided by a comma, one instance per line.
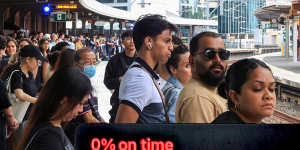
[159, 91]
[32, 138]
[9, 80]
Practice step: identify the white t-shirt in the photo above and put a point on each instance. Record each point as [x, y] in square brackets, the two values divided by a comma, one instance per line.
[138, 91]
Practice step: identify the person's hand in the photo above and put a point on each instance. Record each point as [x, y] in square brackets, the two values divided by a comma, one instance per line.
[45, 53]
[120, 78]
[12, 123]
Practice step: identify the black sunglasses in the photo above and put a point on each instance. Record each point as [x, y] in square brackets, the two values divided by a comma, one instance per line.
[211, 53]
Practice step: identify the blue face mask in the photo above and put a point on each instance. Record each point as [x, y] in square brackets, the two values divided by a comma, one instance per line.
[90, 70]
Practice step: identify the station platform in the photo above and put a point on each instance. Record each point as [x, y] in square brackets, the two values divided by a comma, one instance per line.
[284, 69]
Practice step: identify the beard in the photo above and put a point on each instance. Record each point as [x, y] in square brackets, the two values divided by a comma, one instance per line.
[211, 77]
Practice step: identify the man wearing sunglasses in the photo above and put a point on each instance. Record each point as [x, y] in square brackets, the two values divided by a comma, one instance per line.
[199, 101]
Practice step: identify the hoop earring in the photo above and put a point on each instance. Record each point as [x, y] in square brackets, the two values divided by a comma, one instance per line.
[150, 45]
[236, 107]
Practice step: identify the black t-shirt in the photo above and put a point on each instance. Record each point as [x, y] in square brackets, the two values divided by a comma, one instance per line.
[116, 67]
[128, 60]
[48, 137]
[228, 117]
[20, 81]
[4, 101]
[38, 78]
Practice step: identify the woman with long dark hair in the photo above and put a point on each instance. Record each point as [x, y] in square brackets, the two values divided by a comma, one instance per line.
[60, 101]
[60, 59]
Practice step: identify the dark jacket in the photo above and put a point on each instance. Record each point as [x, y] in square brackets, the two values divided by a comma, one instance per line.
[116, 67]
[4, 103]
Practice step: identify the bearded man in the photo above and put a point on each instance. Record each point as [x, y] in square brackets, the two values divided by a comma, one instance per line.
[199, 101]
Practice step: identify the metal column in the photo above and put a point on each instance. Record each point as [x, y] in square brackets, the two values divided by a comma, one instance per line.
[287, 43]
[295, 40]
[111, 24]
[120, 29]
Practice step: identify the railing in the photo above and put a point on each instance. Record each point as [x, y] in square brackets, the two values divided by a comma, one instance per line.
[268, 50]
[286, 117]
[240, 44]
[288, 108]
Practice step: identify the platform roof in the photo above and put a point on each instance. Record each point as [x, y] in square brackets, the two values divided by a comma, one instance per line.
[108, 11]
[272, 12]
[115, 13]
[186, 21]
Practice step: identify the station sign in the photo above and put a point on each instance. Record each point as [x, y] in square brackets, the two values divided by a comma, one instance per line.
[59, 16]
[63, 16]
[269, 26]
[66, 6]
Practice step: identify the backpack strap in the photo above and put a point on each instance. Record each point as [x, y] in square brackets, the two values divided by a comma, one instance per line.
[158, 89]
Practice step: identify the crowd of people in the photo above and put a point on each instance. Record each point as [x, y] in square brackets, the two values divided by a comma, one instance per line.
[46, 92]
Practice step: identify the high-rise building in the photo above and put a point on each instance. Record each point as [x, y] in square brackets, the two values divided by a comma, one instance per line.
[277, 2]
[236, 17]
[198, 9]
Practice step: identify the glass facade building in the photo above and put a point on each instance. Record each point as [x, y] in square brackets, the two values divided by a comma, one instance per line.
[197, 9]
[237, 16]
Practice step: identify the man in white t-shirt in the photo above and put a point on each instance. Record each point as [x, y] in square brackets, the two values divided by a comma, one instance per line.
[140, 100]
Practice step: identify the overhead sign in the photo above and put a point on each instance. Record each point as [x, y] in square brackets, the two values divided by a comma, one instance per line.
[41, 1]
[66, 6]
[270, 26]
[59, 16]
